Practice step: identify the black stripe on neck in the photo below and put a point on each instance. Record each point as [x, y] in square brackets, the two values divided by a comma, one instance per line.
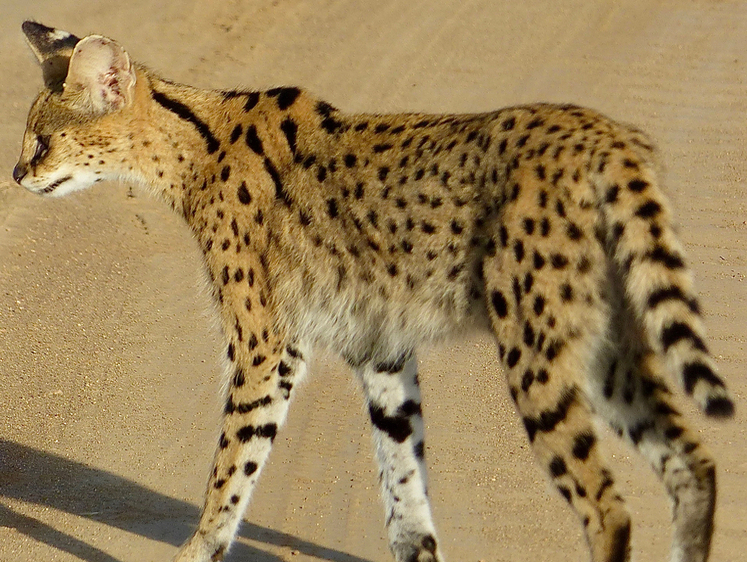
[186, 113]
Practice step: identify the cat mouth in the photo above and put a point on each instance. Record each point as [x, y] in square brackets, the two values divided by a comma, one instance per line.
[55, 184]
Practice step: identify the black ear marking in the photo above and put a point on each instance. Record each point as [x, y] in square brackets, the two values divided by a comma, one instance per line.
[52, 48]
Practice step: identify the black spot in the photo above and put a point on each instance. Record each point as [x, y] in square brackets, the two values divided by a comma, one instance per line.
[509, 124]
[250, 468]
[252, 99]
[673, 432]
[670, 293]
[648, 210]
[545, 226]
[324, 109]
[612, 193]
[427, 227]
[548, 419]
[719, 407]
[560, 208]
[284, 369]
[558, 467]
[397, 428]
[519, 251]
[517, 290]
[539, 304]
[350, 160]
[538, 260]
[236, 133]
[225, 173]
[331, 125]
[410, 408]
[637, 185]
[620, 547]
[332, 209]
[290, 130]
[559, 261]
[429, 543]
[373, 219]
[249, 432]
[678, 331]
[669, 260]
[534, 123]
[406, 246]
[513, 357]
[286, 96]
[528, 282]
[582, 445]
[419, 450]
[528, 334]
[692, 373]
[246, 407]
[528, 225]
[253, 141]
[321, 173]
[573, 231]
[553, 349]
[566, 292]
[499, 304]
[280, 192]
[527, 380]
[243, 193]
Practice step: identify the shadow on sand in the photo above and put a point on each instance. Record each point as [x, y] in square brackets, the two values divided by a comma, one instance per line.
[46, 479]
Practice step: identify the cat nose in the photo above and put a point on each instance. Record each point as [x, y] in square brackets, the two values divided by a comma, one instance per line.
[19, 172]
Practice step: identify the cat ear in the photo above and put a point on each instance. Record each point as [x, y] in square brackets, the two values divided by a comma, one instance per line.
[100, 77]
[52, 48]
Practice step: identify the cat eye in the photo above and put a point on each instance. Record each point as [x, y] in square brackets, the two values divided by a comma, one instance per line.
[42, 147]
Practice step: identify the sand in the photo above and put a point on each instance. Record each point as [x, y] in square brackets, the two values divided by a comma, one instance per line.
[109, 351]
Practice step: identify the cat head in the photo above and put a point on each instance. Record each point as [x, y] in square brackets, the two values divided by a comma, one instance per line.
[89, 83]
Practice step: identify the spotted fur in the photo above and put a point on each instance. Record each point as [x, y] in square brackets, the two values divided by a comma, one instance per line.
[372, 234]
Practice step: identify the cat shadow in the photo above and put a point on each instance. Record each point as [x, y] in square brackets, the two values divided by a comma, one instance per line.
[48, 480]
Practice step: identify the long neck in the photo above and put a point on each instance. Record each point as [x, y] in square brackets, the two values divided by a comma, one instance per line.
[190, 144]
[173, 139]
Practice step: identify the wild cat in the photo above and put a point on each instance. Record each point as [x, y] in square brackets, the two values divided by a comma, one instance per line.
[371, 234]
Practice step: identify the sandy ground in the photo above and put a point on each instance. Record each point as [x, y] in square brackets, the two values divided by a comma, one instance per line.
[109, 351]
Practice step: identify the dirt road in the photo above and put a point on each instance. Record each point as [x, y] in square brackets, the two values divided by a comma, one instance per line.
[109, 350]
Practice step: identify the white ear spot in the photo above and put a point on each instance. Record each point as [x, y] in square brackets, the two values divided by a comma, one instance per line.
[58, 35]
[100, 77]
